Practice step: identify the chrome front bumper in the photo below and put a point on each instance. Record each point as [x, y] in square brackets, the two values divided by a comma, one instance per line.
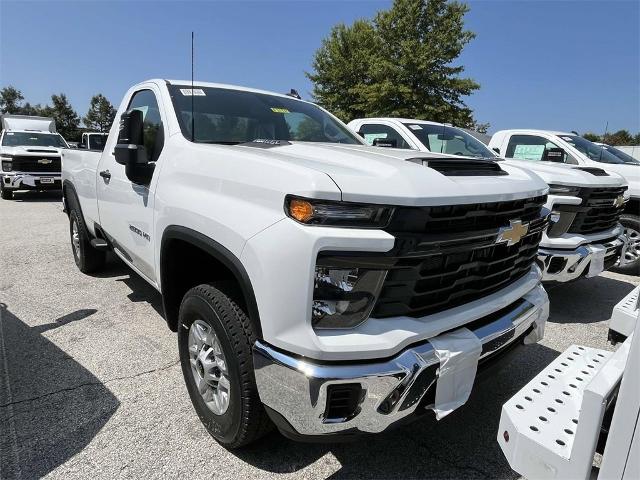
[302, 393]
[562, 265]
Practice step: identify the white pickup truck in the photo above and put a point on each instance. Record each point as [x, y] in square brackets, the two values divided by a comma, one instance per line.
[575, 150]
[584, 237]
[315, 282]
[30, 154]
[92, 141]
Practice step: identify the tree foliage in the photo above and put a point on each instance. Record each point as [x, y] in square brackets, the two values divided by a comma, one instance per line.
[66, 118]
[10, 99]
[621, 137]
[100, 115]
[400, 64]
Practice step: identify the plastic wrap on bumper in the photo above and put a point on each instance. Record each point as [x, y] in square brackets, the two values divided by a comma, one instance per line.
[384, 391]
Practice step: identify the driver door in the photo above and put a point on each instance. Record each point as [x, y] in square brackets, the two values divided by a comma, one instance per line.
[126, 209]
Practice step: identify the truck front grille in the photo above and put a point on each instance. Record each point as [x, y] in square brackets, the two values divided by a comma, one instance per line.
[24, 163]
[599, 210]
[448, 256]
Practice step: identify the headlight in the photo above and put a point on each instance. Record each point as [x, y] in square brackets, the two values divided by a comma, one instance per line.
[344, 297]
[337, 214]
[563, 190]
[6, 163]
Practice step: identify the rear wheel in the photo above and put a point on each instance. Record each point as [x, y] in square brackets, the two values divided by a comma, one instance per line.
[631, 266]
[215, 340]
[87, 258]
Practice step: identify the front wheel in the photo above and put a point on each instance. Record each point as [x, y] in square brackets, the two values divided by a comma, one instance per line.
[5, 193]
[215, 340]
[631, 224]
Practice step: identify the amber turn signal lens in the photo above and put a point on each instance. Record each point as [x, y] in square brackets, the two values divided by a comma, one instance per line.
[301, 210]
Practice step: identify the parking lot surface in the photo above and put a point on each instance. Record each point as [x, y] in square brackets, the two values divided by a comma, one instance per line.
[90, 383]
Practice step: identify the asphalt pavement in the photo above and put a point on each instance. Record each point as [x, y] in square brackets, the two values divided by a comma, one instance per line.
[90, 384]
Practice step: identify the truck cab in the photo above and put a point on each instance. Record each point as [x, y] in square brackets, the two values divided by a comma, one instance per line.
[30, 150]
[569, 148]
[93, 141]
[584, 237]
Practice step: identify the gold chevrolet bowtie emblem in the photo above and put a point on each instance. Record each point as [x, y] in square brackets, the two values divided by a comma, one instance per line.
[618, 202]
[513, 233]
[45, 161]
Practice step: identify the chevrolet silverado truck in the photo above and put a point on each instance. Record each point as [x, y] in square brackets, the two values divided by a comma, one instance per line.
[575, 150]
[584, 237]
[314, 282]
[30, 152]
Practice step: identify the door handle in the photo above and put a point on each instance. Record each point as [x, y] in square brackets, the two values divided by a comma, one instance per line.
[105, 174]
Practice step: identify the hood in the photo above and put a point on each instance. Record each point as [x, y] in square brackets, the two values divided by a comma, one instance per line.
[381, 175]
[566, 174]
[30, 151]
[631, 174]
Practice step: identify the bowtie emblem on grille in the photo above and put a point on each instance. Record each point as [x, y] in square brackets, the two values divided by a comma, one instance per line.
[45, 161]
[619, 201]
[513, 233]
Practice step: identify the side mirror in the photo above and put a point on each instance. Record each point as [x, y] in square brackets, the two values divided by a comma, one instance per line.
[385, 142]
[130, 150]
[553, 155]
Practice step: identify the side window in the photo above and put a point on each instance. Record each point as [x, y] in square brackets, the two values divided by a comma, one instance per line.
[529, 147]
[371, 131]
[153, 133]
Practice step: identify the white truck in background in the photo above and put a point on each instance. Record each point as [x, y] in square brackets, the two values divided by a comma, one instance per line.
[584, 237]
[30, 151]
[93, 141]
[586, 401]
[572, 149]
[315, 282]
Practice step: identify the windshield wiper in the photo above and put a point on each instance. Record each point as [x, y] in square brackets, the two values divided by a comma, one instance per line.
[219, 142]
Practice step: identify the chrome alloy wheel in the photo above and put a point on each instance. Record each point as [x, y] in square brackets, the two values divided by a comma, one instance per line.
[209, 367]
[632, 252]
[75, 238]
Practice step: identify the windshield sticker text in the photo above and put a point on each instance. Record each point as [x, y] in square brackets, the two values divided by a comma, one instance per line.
[279, 110]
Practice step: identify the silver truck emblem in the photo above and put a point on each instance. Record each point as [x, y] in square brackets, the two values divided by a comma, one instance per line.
[45, 161]
[618, 202]
[513, 233]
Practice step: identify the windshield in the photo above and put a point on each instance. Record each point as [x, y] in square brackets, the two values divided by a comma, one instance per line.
[234, 116]
[451, 140]
[626, 158]
[590, 149]
[33, 139]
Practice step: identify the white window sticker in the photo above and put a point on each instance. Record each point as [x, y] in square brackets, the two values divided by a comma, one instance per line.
[567, 139]
[415, 127]
[529, 152]
[197, 92]
[9, 133]
[369, 137]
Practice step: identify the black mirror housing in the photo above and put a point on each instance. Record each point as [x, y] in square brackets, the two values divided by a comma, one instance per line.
[385, 142]
[130, 150]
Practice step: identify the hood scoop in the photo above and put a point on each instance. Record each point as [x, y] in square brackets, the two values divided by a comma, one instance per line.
[598, 172]
[36, 150]
[463, 167]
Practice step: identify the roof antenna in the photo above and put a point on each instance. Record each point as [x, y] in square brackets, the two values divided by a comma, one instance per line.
[193, 118]
[603, 137]
[294, 93]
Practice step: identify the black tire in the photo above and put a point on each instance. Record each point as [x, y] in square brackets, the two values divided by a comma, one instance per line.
[245, 419]
[5, 193]
[87, 258]
[631, 223]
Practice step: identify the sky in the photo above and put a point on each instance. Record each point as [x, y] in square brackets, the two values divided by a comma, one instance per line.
[564, 65]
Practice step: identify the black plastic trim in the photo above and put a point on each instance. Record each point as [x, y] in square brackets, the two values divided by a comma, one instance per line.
[220, 253]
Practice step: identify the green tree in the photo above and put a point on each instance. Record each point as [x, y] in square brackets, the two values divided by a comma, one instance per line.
[100, 115]
[621, 137]
[592, 137]
[400, 64]
[10, 100]
[66, 118]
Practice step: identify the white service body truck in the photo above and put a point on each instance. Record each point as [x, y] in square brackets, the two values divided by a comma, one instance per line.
[584, 237]
[575, 150]
[30, 152]
[315, 282]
